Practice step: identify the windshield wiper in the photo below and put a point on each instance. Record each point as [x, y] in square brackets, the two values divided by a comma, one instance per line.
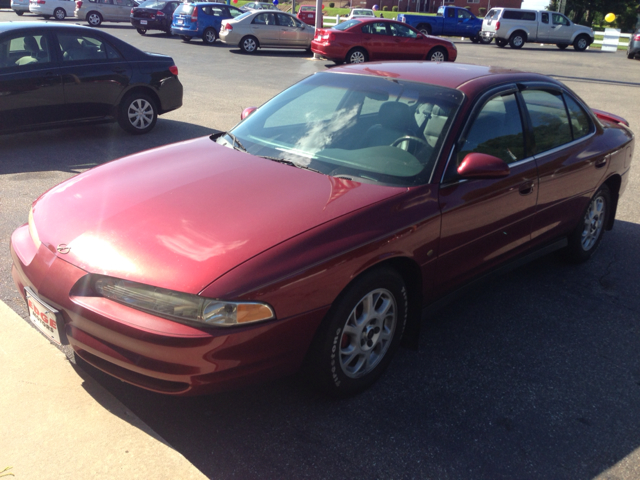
[236, 143]
[289, 162]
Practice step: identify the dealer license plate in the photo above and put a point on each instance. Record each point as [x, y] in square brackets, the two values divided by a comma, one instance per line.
[43, 316]
[179, 21]
[143, 22]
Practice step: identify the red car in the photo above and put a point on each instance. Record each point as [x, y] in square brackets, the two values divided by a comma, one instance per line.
[307, 14]
[316, 231]
[362, 40]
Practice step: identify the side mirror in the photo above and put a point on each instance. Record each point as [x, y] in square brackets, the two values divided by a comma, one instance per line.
[419, 36]
[480, 165]
[247, 111]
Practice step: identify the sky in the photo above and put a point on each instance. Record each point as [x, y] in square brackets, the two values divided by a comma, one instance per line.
[535, 4]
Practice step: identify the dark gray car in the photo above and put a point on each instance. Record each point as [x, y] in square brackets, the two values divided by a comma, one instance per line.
[634, 45]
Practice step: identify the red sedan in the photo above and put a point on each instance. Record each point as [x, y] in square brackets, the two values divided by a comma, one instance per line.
[316, 231]
[363, 39]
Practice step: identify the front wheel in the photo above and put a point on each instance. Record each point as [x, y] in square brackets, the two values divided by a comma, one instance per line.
[19, 13]
[185, 38]
[138, 113]
[94, 19]
[357, 55]
[141, 31]
[210, 36]
[360, 334]
[249, 44]
[581, 43]
[588, 234]
[562, 46]
[438, 54]
[59, 14]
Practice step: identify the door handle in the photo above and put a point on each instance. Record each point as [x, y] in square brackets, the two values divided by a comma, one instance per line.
[527, 188]
[602, 162]
[118, 70]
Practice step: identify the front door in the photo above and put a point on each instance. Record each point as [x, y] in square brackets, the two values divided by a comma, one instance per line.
[265, 28]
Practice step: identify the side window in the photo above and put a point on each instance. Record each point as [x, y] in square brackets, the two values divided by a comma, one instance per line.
[548, 118]
[497, 131]
[75, 47]
[544, 18]
[234, 12]
[217, 12]
[580, 123]
[260, 19]
[398, 30]
[559, 19]
[462, 13]
[25, 50]
[451, 13]
[285, 20]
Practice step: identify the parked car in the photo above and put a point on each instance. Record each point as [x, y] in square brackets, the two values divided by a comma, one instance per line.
[59, 74]
[516, 27]
[58, 9]
[361, 40]
[344, 206]
[449, 21]
[361, 13]
[307, 14]
[254, 6]
[5, 3]
[20, 6]
[97, 11]
[201, 20]
[153, 15]
[634, 45]
[260, 29]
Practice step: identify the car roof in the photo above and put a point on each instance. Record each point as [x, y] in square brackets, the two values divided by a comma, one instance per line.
[445, 74]
[9, 26]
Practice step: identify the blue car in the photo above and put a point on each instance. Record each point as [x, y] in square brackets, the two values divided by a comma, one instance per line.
[202, 20]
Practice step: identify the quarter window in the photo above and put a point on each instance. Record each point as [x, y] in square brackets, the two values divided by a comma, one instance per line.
[580, 123]
[548, 118]
[375, 28]
[399, 30]
[82, 47]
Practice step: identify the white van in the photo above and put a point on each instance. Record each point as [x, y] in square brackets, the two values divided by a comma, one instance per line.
[516, 27]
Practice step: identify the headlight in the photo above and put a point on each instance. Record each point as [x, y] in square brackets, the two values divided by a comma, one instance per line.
[32, 229]
[182, 307]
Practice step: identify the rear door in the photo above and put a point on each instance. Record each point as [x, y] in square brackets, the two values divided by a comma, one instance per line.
[378, 41]
[30, 80]
[291, 31]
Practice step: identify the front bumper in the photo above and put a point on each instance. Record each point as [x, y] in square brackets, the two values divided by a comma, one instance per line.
[152, 352]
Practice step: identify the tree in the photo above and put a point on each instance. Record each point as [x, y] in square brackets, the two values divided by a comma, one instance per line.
[584, 11]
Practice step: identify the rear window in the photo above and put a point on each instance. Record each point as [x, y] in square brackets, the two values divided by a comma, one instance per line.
[306, 8]
[346, 25]
[492, 13]
[519, 15]
[153, 4]
[185, 9]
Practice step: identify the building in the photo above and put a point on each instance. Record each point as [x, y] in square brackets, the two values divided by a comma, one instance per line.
[431, 6]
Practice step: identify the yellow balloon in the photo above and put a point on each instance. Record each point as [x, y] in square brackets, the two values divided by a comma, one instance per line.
[610, 17]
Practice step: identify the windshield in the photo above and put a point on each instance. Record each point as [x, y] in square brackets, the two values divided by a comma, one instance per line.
[368, 128]
[346, 25]
[153, 4]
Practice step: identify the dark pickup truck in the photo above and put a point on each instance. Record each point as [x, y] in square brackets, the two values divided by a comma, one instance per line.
[450, 21]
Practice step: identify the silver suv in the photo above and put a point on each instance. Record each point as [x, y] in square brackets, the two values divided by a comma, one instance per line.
[516, 27]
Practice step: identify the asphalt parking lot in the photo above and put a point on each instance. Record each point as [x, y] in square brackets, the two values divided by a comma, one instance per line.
[535, 374]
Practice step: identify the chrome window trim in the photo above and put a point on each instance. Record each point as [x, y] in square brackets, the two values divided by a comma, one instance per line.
[564, 145]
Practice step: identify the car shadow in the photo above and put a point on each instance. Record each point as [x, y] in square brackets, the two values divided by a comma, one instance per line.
[535, 374]
[83, 147]
[274, 53]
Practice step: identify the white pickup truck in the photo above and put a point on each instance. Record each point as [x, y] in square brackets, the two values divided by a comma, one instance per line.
[516, 27]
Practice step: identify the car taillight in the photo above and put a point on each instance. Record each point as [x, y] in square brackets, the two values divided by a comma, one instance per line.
[132, 11]
[636, 38]
[41, 2]
[194, 15]
[78, 4]
[497, 26]
[228, 26]
[173, 69]
[160, 13]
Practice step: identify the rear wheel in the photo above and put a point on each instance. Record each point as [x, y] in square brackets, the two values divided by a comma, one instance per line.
[475, 39]
[46, 17]
[587, 236]
[501, 42]
[357, 55]
[138, 113]
[185, 38]
[210, 36]
[562, 46]
[249, 44]
[517, 40]
[437, 54]
[94, 19]
[631, 55]
[581, 43]
[141, 31]
[59, 14]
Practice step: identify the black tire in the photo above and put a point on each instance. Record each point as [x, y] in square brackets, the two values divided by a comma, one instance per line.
[500, 42]
[94, 19]
[630, 55]
[517, 40]
[59, 14]
[424, 29]
[141, 31]
[475, 39]
[249, 44]
[562, 46]
[138, 113]
[209, 36]
[437, 54]
[586, 237]
[185, 38]
[357, 55]
[581, 43]
[353, 347]
[19, 13]
[46, 17]
[484, 41]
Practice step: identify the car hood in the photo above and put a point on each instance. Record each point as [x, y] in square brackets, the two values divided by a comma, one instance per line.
[180, 216]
